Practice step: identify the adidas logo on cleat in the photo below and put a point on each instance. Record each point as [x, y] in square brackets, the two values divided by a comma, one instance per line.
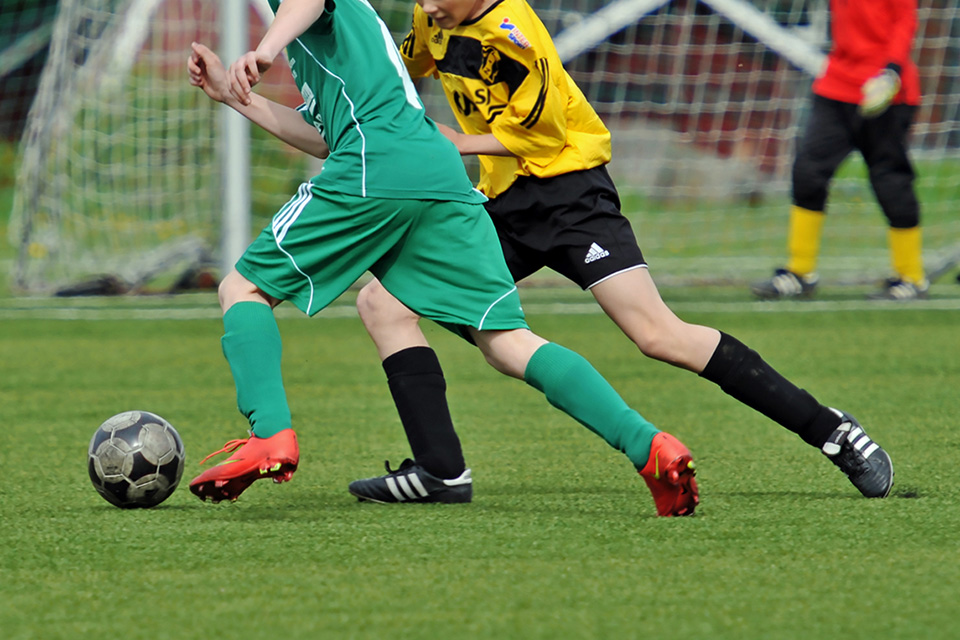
[595, 253]
[406, 487]
[863, 461]
[413, 483]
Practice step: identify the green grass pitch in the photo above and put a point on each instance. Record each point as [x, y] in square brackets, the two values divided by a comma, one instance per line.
[561, 540]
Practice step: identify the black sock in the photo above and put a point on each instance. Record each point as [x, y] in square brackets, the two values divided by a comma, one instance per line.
[420, 393]
[743, 374]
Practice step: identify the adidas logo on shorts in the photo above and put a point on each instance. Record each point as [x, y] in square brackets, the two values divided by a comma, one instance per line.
[595, 253]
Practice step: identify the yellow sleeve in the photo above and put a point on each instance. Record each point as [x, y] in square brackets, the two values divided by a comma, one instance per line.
[534, 124]
[416, 56]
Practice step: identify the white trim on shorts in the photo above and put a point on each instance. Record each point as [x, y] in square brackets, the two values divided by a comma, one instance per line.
[281, 223]
[607, 277]
[492, 305]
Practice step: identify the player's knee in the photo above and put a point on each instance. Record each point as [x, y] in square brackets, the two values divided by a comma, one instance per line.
[809, 188]
[508, 352]
[651, 326]
[899, 203]
[903, 215]
[491, 345]
[367, 302]
[669, 339]
[377, 308]
[496, 362]
[810, 195]
[655, 343]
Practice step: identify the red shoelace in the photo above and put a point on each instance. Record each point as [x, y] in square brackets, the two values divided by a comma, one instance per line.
[231, 446]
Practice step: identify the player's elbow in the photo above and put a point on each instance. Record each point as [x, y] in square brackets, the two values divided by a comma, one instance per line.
[320, 150]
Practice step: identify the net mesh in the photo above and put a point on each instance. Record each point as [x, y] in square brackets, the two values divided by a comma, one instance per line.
[120, 170]
[120, 159]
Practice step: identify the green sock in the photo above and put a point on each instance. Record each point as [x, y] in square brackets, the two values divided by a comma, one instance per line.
[251, 344]
[572, 385]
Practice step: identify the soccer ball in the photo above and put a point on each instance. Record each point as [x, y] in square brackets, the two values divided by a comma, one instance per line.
[135, 459]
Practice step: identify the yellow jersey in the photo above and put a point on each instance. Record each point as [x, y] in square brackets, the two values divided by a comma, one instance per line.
[502, 75]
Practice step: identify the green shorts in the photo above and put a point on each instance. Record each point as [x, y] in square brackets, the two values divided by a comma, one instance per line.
[442, 259]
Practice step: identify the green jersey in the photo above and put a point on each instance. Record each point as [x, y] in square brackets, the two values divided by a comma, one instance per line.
[359, 95]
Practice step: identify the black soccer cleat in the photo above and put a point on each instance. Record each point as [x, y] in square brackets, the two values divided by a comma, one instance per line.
[413, 483]
[901, 290]
[785, 284]
[866, 464]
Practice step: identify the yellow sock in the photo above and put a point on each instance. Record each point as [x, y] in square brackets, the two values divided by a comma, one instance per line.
[906, 253]
[803, 241]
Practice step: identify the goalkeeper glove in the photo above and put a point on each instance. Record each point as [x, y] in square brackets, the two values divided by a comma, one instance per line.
[878, 92]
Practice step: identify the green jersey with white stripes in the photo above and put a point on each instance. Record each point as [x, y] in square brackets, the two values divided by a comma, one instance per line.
[357, 92]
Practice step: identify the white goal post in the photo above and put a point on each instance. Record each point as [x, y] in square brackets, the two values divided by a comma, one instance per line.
[128, 172]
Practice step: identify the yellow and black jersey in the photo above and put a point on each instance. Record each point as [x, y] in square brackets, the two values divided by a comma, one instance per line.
[502, 75]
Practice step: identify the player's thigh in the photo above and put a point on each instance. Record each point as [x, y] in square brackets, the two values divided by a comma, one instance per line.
[632, 301]
[828, 137]
[883, 140]
[594, 246]
[591, 240]
[320, 243]
[235, 288]
[522, 260]
[886, 152]
[450, 269]
[508, 352]
[571, 223]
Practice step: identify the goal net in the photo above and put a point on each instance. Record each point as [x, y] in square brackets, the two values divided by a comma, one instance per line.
[120, 172]
[120, 179]
[705, 99]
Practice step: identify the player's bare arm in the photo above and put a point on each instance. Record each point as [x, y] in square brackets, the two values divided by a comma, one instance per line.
[485, 144]
[207, 72]
[292, 19]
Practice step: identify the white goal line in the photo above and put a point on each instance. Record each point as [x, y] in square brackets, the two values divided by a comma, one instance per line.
[100, 309]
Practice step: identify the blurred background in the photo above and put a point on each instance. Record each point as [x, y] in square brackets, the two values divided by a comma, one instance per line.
[118, 176]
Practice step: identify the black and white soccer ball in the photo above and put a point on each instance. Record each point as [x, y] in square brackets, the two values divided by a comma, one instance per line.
[135, 459]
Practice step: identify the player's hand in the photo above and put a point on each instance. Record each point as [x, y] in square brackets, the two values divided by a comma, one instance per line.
[245, 73]
[878, 92]
[207, 72]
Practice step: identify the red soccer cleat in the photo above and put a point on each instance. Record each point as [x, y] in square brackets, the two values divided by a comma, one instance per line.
[253, 459]
[669, 476]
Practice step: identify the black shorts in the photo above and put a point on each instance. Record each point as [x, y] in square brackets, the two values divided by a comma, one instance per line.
[570, 223]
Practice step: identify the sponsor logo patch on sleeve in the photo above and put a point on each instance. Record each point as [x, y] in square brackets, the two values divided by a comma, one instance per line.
[516, 37]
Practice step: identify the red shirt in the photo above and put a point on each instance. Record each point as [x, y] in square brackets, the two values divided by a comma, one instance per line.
[867, 36]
